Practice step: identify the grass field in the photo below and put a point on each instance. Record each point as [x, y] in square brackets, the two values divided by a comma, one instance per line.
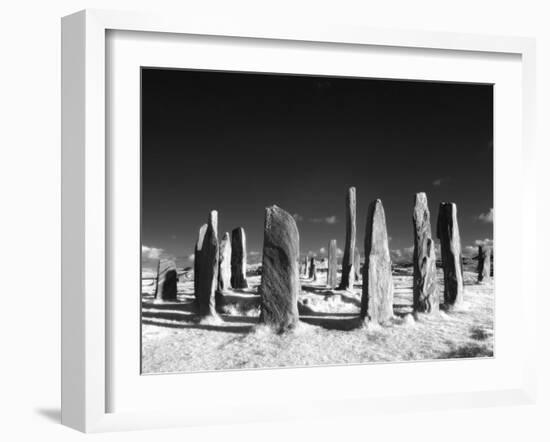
[330, 331]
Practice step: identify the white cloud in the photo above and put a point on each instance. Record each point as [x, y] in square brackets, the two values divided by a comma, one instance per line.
[403, 255]
[298, 217]
[396, 253]
[151, 252]
[191, 257]
[323, 250]
[339, 252]
[483, 242]
[327, 220]
[469, 251]
[486, 217]
[253, 253]
[472, 250]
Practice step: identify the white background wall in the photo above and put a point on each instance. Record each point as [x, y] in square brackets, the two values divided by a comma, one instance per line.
[30, 215]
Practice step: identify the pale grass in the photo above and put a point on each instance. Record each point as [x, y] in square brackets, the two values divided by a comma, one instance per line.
[330, 330]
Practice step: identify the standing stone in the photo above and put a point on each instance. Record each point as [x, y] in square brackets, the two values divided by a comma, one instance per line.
[377, 298]
[312, 269]
[238, 259]
[425, 295]
[167, 279]
[357, 264]
[280, 280]
[208, 268]
[451, 254]
[196, 262]
[484, 263]
[224, 273]
[347, 262]
[306, 266]
[332, 265]
[157, 280]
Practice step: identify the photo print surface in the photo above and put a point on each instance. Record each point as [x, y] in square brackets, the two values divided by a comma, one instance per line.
[303, 220]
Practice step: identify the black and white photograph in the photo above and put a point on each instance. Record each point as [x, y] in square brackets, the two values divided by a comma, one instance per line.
[300, 220]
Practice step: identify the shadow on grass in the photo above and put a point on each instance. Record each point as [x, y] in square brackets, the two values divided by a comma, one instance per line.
[479, 333]
[168, 315]
[339, 321]
[315, 289]
[233, 319]
[197, 326]
[468, 351]
[183, 306]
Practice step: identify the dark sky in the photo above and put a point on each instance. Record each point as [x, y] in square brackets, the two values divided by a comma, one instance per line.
[238, 142]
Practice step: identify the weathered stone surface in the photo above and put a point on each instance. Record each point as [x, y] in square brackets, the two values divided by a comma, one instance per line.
[280, 280]
[332, 265]
[208, 261]
[312, 269]
[484, 263]
[451, 254]
[224, 273]
[196, 262]
[425, 293]
[357, 264]
[348, 272]
[238, 259]
[377, 297]
[167, 279]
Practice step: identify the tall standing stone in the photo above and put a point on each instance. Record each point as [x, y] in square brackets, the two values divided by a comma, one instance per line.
[167, 279]
[357, 264]
[347, 262]
[208, 268]
[332, 265]
[484, 263]
[312, 269]
[451, 254]
[425, 294]
[280, 280]
[377, 297]
[238, 259]
[224, 273]
[196, 262]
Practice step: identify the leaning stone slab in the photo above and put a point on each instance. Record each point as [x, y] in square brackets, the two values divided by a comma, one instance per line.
[208, 268]
[425, 293]
[451, 254]
[224, 273]
[484, 263]
[348, 259]
[167, 280]
[377, 297]
[332, 265]
[280, 279]
[238, 259]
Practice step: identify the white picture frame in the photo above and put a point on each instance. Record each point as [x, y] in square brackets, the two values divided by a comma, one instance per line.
[86, 206]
